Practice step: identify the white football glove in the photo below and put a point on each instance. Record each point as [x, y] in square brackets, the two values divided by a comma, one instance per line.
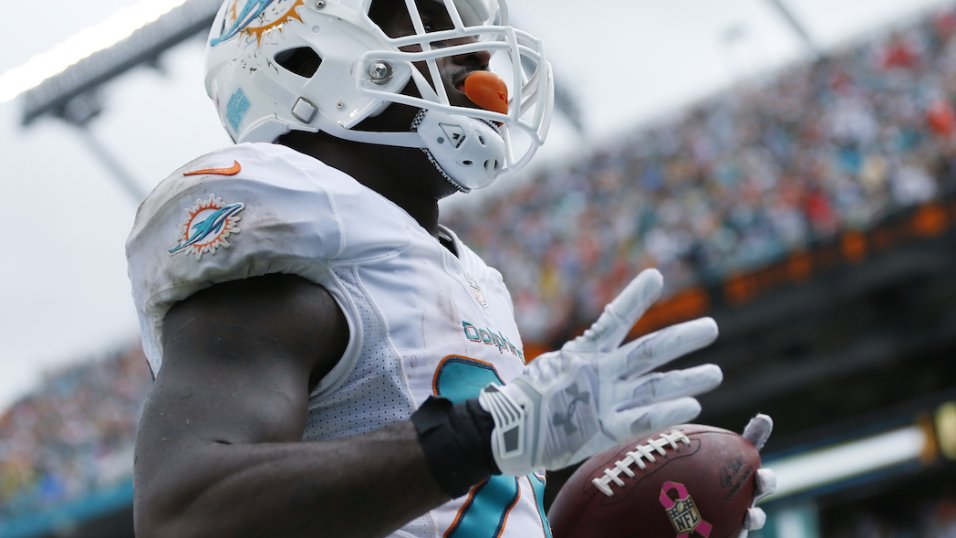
[757, 432]
[594, 393]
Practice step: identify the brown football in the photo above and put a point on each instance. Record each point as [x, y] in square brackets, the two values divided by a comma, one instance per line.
[686, 481]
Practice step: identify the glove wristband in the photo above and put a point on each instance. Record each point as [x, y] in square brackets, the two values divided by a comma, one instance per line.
[456, 440]
[508, 437]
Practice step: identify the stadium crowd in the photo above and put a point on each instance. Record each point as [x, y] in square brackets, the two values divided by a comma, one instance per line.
[735, 182]
[73, 434]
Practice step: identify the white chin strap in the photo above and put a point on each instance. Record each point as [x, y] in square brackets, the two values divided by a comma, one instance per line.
[468, 152]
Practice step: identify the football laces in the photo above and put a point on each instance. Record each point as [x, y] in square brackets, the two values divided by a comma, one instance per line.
[640, 456]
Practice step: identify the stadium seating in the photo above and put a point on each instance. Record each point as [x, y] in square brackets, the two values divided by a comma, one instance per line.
[733, 183]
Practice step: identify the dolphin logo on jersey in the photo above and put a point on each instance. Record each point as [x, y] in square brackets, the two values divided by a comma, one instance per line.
[208, 226]
[271, 14]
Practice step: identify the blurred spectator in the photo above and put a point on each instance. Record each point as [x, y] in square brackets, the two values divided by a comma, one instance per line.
[940, 521]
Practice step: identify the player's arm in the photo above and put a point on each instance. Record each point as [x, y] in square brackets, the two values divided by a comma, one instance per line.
[218, 451]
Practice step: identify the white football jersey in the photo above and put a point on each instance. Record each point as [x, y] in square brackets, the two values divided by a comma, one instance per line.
[422, 321]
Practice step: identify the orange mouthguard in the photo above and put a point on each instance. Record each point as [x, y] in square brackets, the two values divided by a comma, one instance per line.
[488, 91]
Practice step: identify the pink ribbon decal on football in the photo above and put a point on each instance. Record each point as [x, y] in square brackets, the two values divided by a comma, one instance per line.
[683, 512]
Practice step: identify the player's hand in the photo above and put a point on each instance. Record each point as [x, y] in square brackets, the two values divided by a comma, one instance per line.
[594, 393]
[757, 432]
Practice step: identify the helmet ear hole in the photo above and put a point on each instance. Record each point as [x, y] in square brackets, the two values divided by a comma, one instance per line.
[302, 61]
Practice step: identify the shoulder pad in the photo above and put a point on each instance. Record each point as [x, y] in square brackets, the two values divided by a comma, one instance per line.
[241, 212]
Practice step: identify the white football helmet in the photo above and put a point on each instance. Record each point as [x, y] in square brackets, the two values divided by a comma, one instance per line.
[346, 68]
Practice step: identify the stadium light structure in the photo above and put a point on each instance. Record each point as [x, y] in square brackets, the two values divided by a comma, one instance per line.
[63, 83]
[80, 45]
[133, 36]
[791, 20]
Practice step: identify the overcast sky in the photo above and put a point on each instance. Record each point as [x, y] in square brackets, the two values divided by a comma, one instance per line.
[64, 295]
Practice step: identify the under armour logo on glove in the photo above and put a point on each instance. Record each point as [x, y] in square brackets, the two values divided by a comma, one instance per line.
[564, 419]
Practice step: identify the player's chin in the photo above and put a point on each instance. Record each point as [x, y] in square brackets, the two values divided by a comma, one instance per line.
[433, 179]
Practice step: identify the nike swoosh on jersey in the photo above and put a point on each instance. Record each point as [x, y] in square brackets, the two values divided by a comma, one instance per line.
[231, 171]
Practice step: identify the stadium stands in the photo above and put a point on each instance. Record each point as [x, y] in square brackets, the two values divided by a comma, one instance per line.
[736, 182]
[71, 437]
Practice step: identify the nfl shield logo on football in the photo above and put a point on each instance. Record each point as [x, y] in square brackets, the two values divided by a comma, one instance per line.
[682, 511]
[684, 516]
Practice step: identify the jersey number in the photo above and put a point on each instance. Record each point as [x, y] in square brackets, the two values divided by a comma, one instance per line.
[486, 509]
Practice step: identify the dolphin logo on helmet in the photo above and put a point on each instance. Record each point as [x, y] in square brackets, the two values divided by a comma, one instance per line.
[250, 11]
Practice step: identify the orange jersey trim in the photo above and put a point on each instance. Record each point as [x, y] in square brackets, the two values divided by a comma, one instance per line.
[464, 507]
[504, 521]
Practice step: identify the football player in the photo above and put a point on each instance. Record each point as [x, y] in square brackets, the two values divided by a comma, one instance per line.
[328, 359]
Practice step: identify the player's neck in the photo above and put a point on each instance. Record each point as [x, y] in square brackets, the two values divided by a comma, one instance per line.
[403, 176]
